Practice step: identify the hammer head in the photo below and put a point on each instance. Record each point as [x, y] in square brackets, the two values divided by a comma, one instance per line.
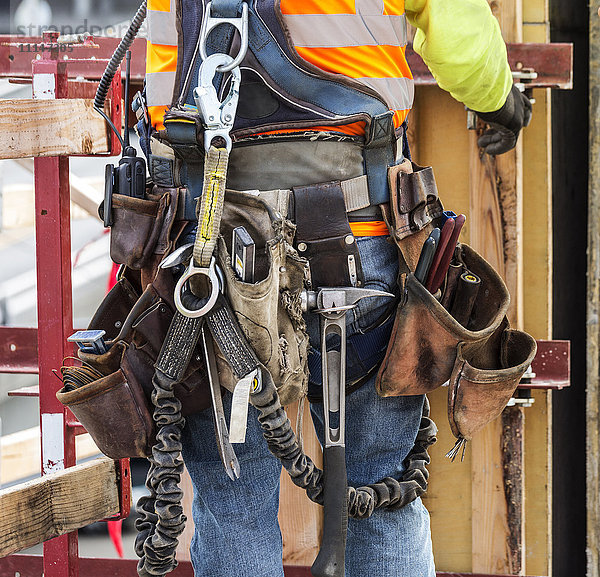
[338, 297]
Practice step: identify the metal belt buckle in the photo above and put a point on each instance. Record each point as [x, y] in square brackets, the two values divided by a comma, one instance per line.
[182, 288]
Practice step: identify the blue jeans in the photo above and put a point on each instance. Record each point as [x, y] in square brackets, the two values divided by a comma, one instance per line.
[237, 534]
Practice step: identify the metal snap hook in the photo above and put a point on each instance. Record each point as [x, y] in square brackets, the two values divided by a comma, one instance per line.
[218, 116]
[181, 289]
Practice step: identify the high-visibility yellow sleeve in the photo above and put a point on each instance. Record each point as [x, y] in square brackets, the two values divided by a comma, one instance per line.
[461, 43]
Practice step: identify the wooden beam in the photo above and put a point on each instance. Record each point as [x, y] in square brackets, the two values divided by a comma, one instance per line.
[593, 309]
[20, 454]
[51, 128]
[57, 503]
[299, 518]
[496, 226]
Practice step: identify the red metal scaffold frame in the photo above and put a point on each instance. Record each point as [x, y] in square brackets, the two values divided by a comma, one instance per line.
[51, 74]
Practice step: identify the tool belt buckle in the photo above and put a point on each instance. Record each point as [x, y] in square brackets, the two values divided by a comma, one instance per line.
[182, 288]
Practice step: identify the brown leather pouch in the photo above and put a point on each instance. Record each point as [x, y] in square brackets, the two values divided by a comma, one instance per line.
[324, 236]
[116, 305]
[479, 390]
[414, 205]
[425, 337]
[117, 409]
[116, 415]
[141, 227]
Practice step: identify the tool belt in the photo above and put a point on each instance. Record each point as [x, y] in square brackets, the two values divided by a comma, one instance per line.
[116, 408]
[466, 341]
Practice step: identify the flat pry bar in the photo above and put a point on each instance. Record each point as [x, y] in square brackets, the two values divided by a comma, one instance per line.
[226, 452]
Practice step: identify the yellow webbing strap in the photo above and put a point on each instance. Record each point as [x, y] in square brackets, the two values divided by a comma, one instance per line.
[211, 205]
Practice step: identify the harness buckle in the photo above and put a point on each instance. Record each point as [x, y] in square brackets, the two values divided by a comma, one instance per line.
[218, 116]
[182, 289]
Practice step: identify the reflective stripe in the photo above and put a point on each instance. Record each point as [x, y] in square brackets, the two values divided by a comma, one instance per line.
[159, 88]
[398, 93]
[339, 30]
[161, 27]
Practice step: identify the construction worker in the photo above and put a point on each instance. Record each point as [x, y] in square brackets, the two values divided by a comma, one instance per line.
[355, 43]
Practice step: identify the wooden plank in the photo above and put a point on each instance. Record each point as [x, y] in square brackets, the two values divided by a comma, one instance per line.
[299, 518]
[537, 267]
[537, 305]
[20, 456]
[489, 516]
[497, 192]
[443, 142]
[57, 504]
[51, 128]
[593, 309]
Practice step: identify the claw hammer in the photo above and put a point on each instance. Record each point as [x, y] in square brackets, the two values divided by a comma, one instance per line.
[332, 304]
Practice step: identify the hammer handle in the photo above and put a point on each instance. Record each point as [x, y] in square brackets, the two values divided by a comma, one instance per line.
[330, 560]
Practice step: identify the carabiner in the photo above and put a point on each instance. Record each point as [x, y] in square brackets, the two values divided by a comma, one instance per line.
[213, 278]
[218, 117]
[240, 24]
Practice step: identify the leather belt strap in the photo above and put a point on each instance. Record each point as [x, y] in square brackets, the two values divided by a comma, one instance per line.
[356, 197]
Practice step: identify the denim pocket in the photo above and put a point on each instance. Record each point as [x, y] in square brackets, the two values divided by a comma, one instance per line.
[379, 259]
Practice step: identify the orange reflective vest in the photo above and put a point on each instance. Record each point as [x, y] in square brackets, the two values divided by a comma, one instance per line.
[361, 39]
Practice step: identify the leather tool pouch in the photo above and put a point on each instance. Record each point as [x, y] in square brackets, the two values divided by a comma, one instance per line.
[479, 388]
[269, 310]
[324, 237]
[116, 409]
[414, 205]
[141, 227]
[483, 359]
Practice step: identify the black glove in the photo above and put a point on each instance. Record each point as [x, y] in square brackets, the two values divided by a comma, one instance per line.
[506, 123]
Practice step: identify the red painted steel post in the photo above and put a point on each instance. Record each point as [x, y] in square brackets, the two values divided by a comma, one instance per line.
[54, 306]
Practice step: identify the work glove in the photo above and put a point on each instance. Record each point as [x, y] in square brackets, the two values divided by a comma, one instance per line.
[505, 123]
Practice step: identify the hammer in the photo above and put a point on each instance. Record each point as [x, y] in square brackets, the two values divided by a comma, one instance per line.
[332, 304]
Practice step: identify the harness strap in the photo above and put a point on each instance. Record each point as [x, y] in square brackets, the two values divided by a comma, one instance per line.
[211, 205]
[338, 99]
[334, 100]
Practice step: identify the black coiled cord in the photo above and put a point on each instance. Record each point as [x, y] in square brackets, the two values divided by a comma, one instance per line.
[115, 62]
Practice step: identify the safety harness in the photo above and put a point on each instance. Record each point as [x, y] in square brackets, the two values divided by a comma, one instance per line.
[201, 135]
